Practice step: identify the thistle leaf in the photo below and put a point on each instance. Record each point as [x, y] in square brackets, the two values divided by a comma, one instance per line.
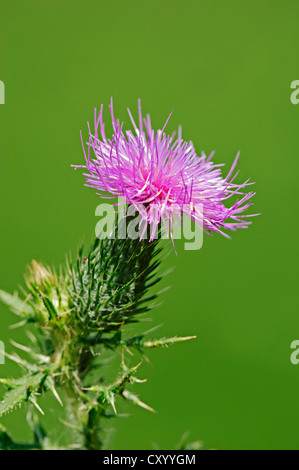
[107, 395]
[22, 392]
[17, 305]
[157, 343]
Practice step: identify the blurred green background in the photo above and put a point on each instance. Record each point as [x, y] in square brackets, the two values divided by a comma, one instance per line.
[226, 69]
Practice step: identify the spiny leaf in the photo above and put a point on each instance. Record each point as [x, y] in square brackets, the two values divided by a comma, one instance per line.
[118, 387]
[157, 343]
[22, 362]
[23, 392]
[17, 305]
[40, 357]
[107, 395]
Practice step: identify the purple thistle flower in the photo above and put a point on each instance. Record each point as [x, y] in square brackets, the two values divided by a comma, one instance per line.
[161, 176]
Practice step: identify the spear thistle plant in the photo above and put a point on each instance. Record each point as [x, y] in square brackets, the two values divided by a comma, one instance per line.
[78, 316]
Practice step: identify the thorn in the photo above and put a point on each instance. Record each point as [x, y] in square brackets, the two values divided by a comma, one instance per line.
[54, 391]
[33, 401]
[134, 399]
[112, 403]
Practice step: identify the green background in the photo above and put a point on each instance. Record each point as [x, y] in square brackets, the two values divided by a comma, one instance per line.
[225, 67]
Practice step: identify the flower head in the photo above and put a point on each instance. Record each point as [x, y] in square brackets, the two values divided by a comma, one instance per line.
[161, 175]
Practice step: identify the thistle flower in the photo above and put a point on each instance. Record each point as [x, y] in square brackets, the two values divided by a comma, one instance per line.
[160, 175]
